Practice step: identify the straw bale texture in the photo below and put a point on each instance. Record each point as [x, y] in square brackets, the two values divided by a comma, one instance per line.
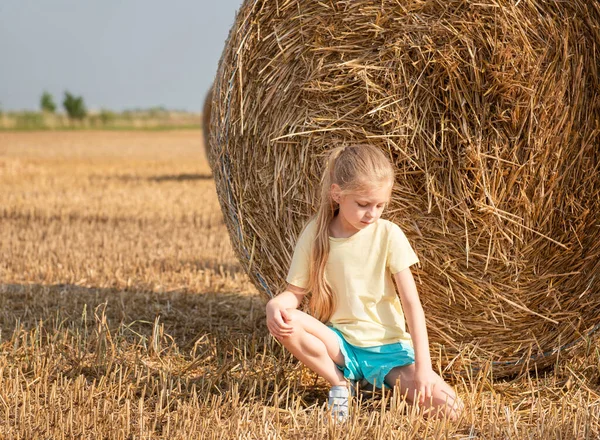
[490, 112]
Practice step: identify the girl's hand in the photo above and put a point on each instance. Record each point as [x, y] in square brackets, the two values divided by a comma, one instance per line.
[278, 320]
[425, 381]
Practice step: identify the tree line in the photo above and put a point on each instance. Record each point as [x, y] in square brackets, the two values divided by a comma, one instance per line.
[73, 105]
[76, 115]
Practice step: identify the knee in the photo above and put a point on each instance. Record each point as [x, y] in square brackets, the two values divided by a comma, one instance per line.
[294, 315]
[455, 408]
[448, 405]
[291, 317]
[295, 319]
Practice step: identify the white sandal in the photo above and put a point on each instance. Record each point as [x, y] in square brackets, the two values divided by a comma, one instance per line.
[337, 402]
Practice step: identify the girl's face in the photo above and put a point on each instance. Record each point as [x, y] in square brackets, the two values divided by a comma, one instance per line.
[359, 210]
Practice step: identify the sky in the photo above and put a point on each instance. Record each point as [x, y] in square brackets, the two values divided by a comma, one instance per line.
[116, 54]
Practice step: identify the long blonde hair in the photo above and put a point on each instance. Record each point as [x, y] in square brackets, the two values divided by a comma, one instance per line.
[355, 169]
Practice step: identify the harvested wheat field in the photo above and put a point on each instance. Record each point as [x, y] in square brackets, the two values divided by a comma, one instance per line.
[124, 314]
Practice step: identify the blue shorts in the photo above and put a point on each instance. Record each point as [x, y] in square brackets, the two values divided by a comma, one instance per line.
[373, 363]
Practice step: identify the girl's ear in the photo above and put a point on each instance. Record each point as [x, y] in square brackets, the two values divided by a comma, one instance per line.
[335, 192]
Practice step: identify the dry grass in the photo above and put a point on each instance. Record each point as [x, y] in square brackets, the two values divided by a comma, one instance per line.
[124, 314]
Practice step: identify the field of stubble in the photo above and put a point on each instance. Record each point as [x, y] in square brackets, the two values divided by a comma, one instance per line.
[125, 315]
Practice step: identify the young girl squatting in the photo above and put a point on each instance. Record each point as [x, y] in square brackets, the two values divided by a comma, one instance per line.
[346, 258]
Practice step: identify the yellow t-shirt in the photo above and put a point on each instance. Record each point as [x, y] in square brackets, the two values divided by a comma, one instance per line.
[368, 311]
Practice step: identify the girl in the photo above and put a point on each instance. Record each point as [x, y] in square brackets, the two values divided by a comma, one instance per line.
[344, 259]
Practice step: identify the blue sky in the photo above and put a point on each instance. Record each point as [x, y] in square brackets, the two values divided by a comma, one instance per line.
[117, 54]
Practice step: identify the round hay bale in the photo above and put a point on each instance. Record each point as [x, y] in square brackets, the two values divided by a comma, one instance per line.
[490, 112]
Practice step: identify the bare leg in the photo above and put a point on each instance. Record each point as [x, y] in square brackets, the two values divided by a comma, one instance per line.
[444, 401]
[316, 346]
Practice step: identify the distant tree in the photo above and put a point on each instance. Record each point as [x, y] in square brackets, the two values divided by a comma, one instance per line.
[74, 106]
[47, 103]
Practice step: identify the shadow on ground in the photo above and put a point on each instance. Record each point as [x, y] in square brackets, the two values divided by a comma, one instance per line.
[159, 178]
[180, 177]
[184, 315]
[217, 343]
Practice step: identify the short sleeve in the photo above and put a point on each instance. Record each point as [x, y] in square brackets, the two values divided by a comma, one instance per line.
[400, 253]
[300, 265]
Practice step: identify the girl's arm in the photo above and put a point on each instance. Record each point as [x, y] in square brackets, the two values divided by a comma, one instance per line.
[415, 318]
[277, 315]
